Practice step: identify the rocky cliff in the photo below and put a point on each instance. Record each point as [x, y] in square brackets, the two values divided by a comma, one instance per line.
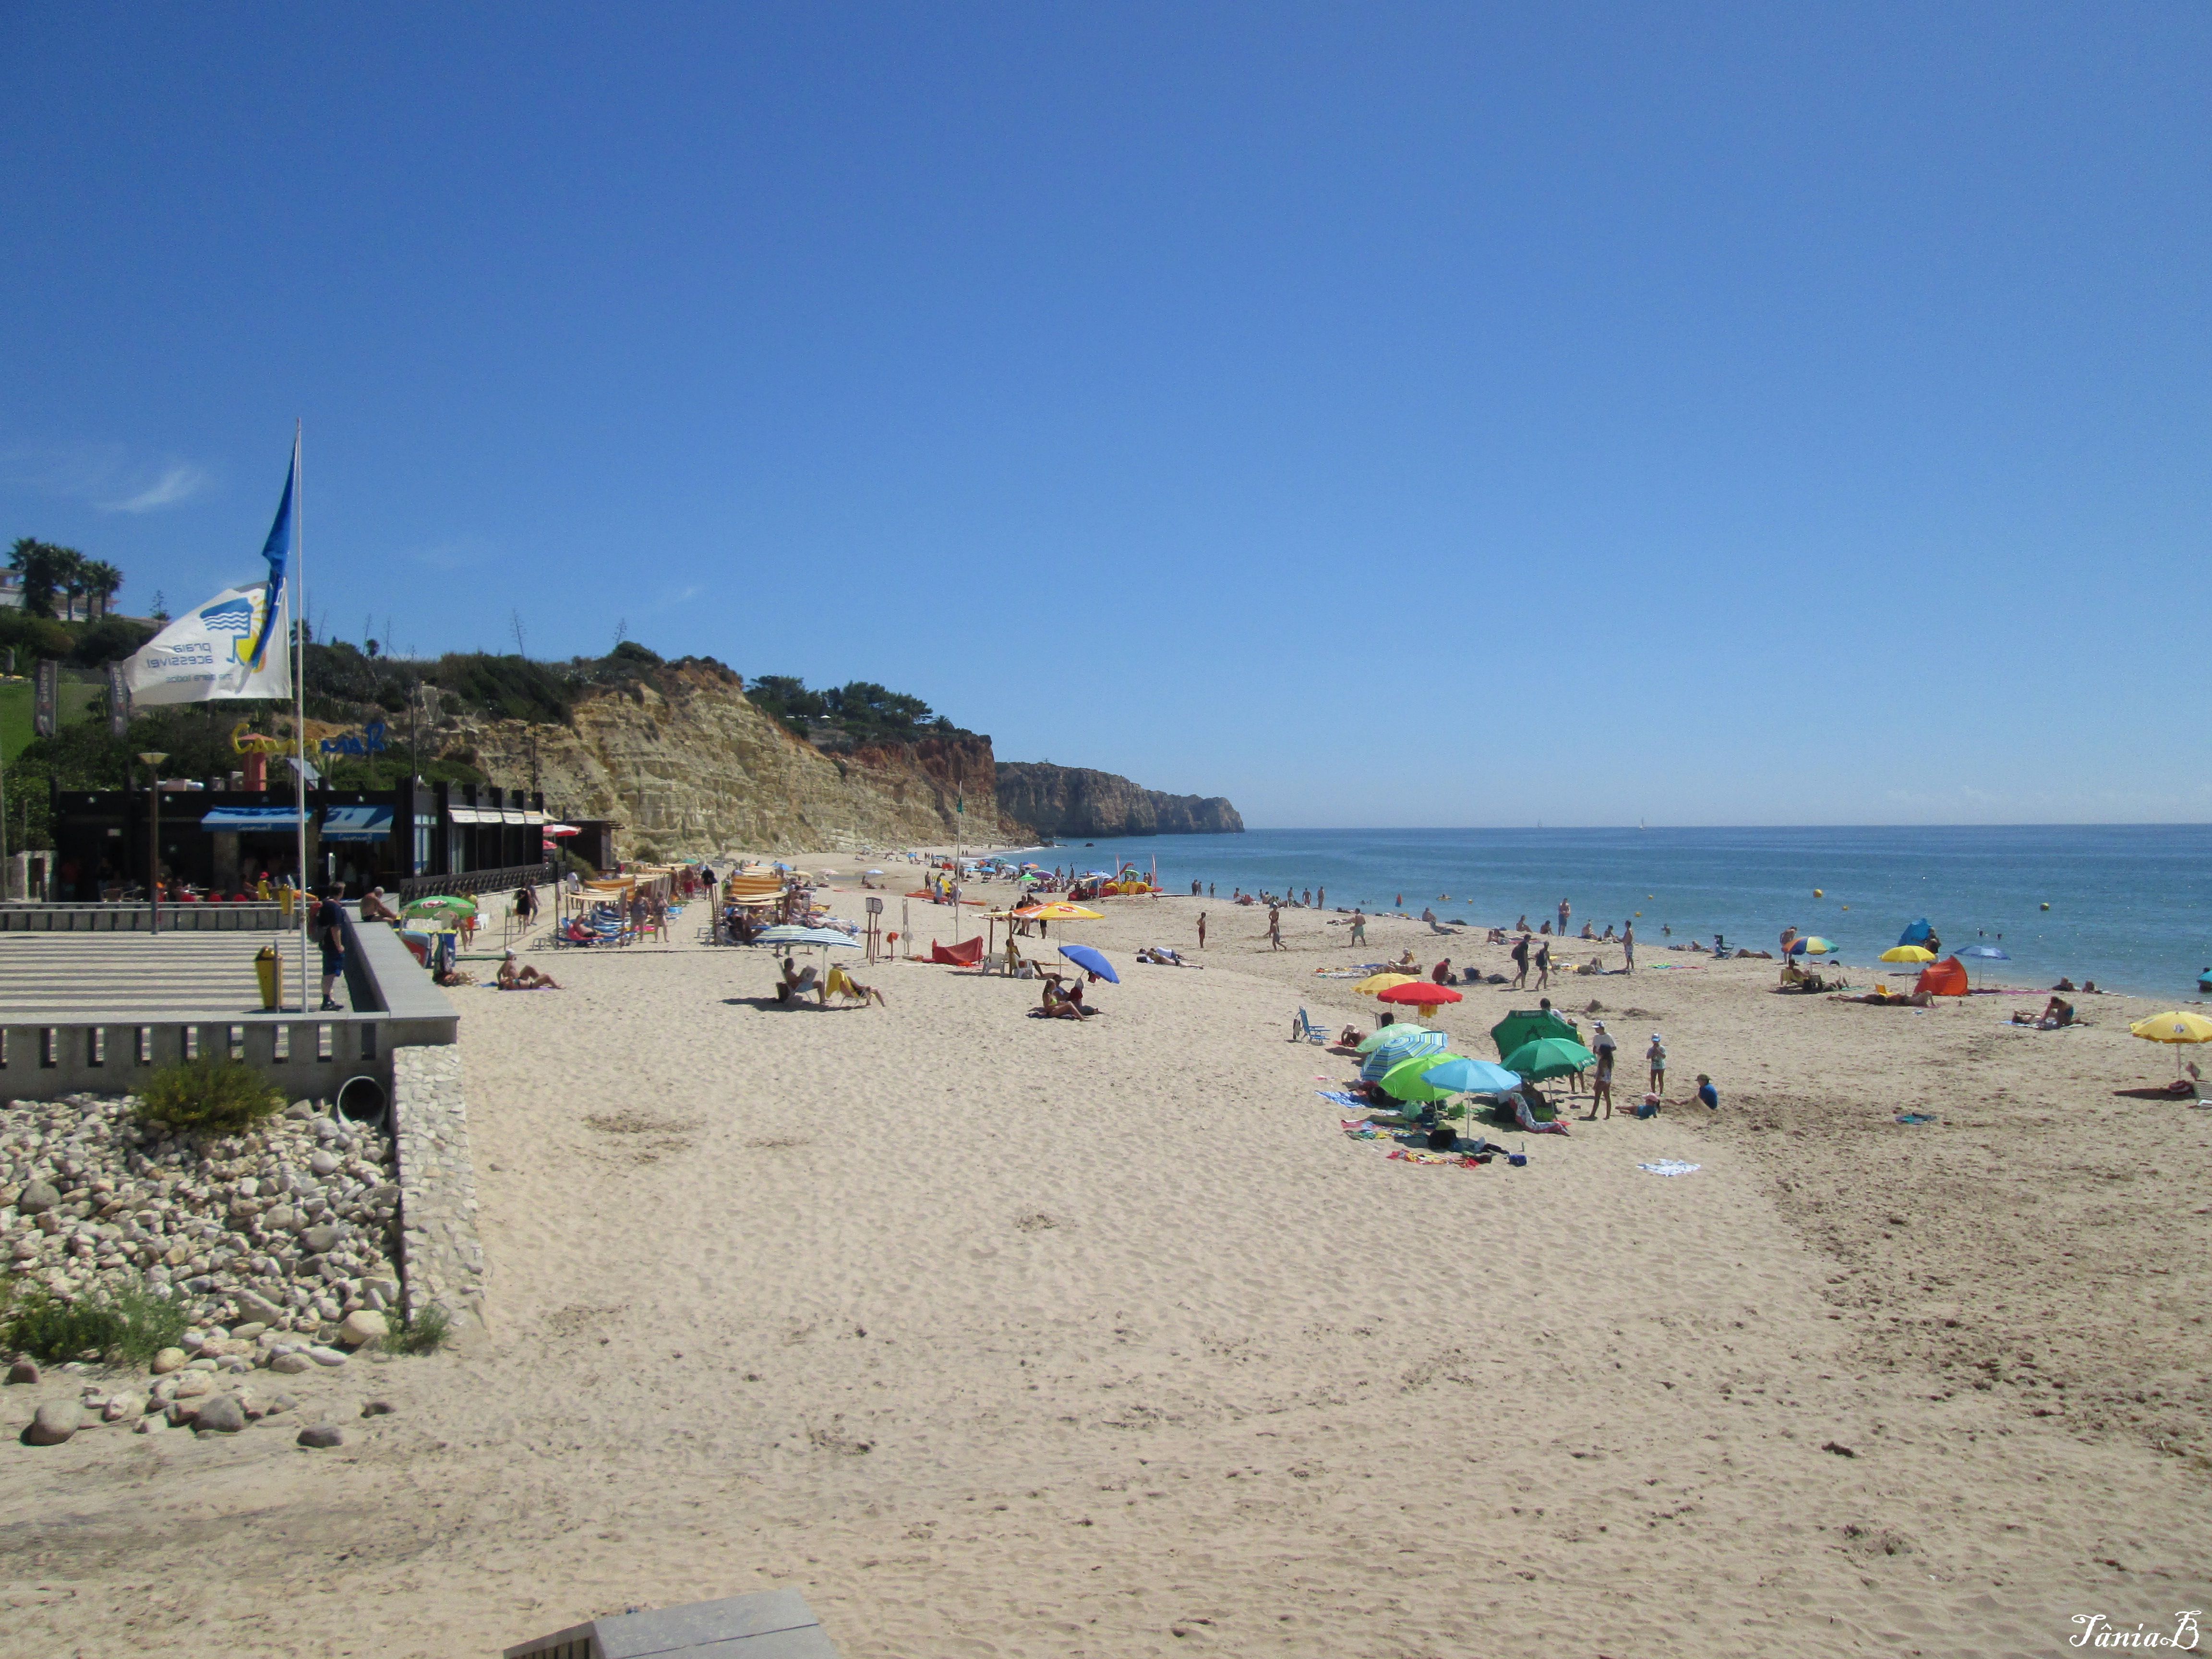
[684, 763]
[1073, 800]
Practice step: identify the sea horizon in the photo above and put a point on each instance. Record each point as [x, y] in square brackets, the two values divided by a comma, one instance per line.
[2129, 906]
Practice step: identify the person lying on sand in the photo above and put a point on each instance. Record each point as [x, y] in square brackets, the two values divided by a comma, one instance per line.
[2065, 985]
[2055, 1012]
[515, 975]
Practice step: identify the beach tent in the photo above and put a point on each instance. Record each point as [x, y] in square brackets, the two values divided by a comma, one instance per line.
[1526, 1025]
[1947, 978]
[1915, 934]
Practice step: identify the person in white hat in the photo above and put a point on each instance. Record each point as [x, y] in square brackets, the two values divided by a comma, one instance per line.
[515, 975]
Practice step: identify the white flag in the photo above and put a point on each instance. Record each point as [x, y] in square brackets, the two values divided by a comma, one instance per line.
[207, 655]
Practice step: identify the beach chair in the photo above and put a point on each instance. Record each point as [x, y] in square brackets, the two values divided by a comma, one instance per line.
[1303, 1030]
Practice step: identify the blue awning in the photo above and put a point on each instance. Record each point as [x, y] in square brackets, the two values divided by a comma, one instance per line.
[356, 823]
[234, 819]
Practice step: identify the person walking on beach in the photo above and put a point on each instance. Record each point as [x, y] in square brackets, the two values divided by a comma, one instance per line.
[1358, 926]
[1201, 930]
[1566, 910]
[1544, 966]
[1520, 963]
[1320, 898]
[1656, 1058]
[1274, 927]
[1628, 942]
[328, 931]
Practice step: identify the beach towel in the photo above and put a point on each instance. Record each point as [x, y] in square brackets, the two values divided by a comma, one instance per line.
[1668, 1166]
[1338, 1097]
[1916, 1117]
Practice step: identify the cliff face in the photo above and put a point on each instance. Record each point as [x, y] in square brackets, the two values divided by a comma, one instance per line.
[684, 763]
[1073, 800]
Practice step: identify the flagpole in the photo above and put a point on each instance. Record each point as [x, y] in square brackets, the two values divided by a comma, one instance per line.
[299, 587]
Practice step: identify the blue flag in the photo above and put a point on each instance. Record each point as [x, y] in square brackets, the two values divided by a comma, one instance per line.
[277, 549]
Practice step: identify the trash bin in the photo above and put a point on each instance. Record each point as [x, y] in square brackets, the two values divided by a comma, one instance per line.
[268, 970]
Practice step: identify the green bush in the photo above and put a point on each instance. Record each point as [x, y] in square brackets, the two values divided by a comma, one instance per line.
[130, 1326]
[424, 1331]
[212, 1092]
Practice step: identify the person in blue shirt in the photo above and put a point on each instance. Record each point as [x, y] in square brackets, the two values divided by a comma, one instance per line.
[1708, 1097]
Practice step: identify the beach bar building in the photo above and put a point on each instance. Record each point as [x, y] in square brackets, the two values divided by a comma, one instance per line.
[450, 837]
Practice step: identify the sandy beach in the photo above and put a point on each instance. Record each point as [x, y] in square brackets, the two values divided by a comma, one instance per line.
[1005, 1336]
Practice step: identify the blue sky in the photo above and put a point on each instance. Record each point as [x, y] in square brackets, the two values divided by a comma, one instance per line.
[1379, 414]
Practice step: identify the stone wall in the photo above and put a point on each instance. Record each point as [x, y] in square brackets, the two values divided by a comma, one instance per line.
[440, 1259]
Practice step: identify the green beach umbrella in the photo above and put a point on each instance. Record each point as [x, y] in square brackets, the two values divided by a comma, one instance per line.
[439, 904]
[1526, 1025]
[1548, 1057]
[1406, 1080]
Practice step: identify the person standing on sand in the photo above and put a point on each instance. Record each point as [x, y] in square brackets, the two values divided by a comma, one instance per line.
[1628, 942]
[1601, 1087]
[1201, 930]
[1521, 961]
[1544, 966]
[1359, 926]
[1656, 1058]
[1274, 927]
[1566, 910]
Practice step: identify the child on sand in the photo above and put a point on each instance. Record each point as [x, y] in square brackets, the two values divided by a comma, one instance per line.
[1655, 1056]
[1708, 1097]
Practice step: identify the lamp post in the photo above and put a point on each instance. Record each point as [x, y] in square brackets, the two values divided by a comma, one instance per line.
[153, 758]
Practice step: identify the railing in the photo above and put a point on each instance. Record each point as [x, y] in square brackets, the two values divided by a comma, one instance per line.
[44, 1057]
[469, 882]
[25, 916]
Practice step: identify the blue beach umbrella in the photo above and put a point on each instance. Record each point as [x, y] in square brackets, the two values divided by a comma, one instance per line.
[1460, 1076]
[1989, 952]
[1090, 960]
[1915, 934]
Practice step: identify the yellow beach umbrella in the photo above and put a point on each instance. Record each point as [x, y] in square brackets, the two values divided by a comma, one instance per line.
[2178, 1026]
[1907, 953]
[1059, 910]
[1375, 984]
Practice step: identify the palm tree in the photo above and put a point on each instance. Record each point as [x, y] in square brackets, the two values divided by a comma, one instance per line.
[74, 584]
[103, 579]
[43, 567]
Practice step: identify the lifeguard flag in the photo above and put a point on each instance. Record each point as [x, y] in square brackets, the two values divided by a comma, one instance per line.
[237, 645]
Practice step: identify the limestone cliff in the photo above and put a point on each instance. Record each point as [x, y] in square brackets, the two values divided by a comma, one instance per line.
[683, 761]
[1073, 800]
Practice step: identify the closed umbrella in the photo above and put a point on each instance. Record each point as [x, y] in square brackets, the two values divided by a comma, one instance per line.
[1090, 960]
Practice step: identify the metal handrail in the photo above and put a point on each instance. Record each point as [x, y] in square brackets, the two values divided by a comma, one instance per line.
[469, 883]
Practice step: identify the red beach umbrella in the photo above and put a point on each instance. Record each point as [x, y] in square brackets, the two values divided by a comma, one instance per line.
[1422, 993]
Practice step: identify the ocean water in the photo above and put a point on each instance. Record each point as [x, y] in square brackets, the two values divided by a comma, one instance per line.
[2130, 906]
